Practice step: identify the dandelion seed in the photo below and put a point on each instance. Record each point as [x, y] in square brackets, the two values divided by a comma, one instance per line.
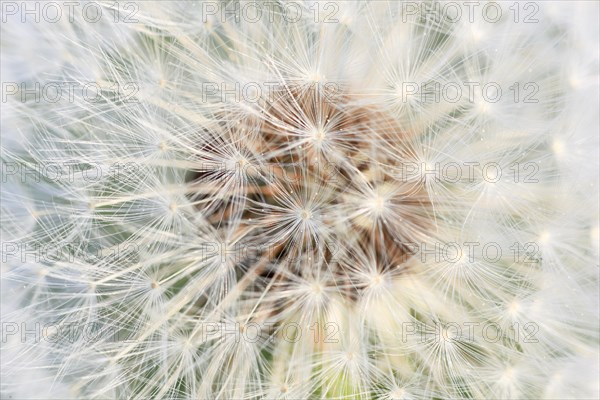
[311, 207]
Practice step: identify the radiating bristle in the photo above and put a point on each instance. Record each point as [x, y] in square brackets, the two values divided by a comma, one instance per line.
[338, 200]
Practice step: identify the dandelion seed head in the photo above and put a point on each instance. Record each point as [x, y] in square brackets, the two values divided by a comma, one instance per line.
[286, 205]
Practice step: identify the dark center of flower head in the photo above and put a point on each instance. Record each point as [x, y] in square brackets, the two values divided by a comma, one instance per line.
[314, 181]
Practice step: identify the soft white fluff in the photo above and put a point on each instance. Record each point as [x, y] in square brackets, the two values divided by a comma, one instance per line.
[213, 215]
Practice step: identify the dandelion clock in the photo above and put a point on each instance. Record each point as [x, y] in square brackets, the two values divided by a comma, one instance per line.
[300, 200]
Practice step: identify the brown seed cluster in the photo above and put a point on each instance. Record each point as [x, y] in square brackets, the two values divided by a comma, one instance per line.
[338, 162]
